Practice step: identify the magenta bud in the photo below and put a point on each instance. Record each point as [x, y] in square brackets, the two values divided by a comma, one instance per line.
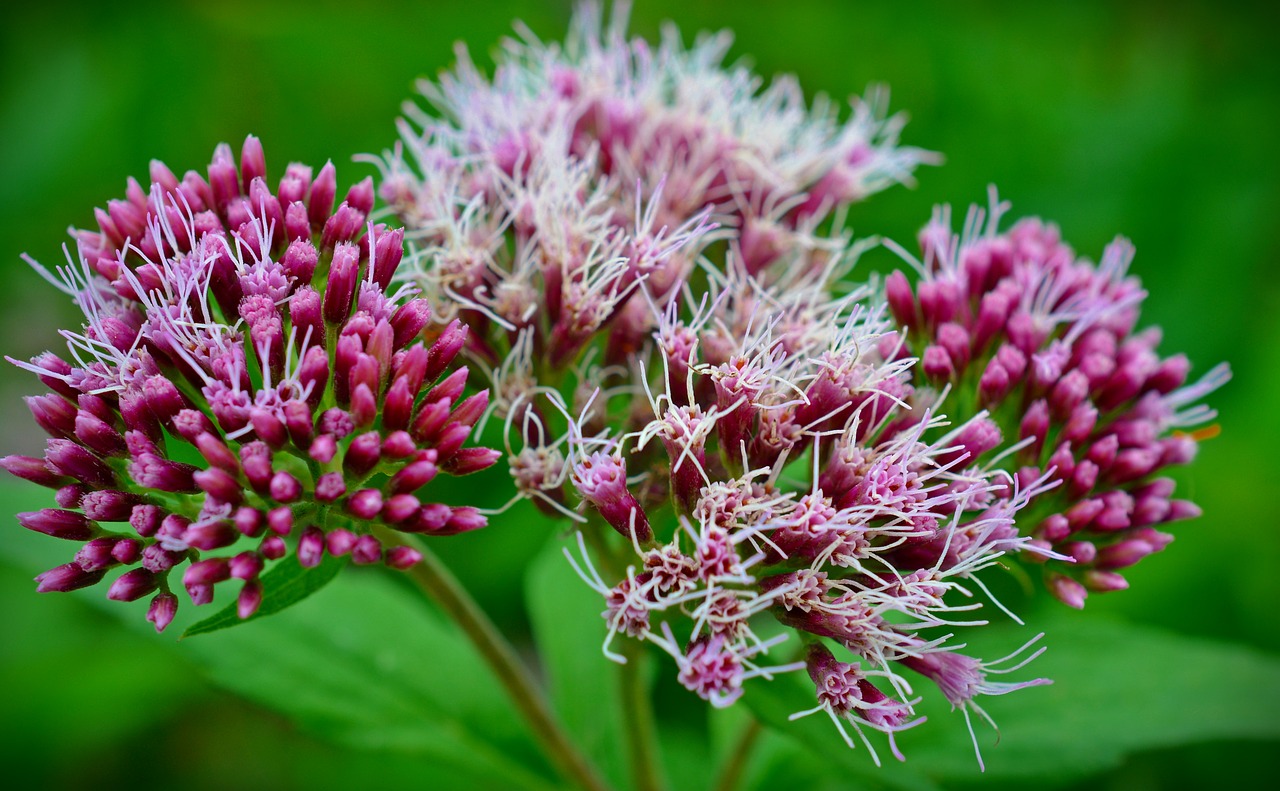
[163, 607]
[157, 559]
[1080, 424]
[253, 163]
[451, 440]
[901, 301]
[365, 504]
[1083, 479]
[1035, 423]
[1134, 463]
[68, 525]
[280, 520]
[403, 558]
[146, 519]
[400, 508]
[216, 452]
[340, 542]
[1111, 519]
[469, 460]
[35, 470]
[398, 445]
[364, 405]
[246, 565]
[269, 428]
[96, 555]
[1082, 552]
[219, 484]
[368, 550]
[206, 572]
[200, 595]
[1182, 509]
[431, 519]
[67, 577]
[1123, 554]
[343, 272]
[308, 320]
[300, 260]
[249, 600]
[133, 585]
[297, 226]
[323, 192]
[255, 460]
[272, 548]
[445, 349]
[1103, 452]
[360, 196]
[209, 535]
[412, 365]
[163, 397]
[330, 486]
[295, 182]
[398, 405]
[462, 520]
[1083, 512]
[994, 384]
[323, 448]
[1170, 375]
[108, 505]
[1178, 449]
[311, 547]
[1054, 528]
[363, 453]
[285, 488]
[937, 364]
[1104, 581]
[74, 461]
[412, 477]
[54, 414]
[409, 320]
[127, 550]
[71, 495]
[342, 227]
[297, 419]
[249, 521]
[1067, 591]
[1063, 461]
[431, 418]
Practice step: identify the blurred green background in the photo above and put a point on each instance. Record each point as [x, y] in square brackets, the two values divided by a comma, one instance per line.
[1155, 120]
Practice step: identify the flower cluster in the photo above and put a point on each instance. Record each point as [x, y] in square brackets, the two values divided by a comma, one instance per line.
[1016, 324]
[246, 384]
[647, 246]
[787, 478]
[541, 200]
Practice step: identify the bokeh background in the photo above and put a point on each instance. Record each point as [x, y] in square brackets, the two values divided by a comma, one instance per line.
[1156, 120]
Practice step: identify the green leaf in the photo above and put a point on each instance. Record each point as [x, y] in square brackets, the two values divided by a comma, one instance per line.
[366, 664]
[287, 583]
[1118, 689]
[569, 633]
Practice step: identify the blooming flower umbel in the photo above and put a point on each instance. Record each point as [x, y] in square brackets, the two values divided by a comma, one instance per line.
[1016, 324]
[246, 384]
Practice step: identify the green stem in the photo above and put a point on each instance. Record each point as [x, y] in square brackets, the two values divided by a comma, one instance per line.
[638, 725]
[736, 763]
[435, 580]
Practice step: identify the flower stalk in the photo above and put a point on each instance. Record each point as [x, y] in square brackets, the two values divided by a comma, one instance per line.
[435, 580]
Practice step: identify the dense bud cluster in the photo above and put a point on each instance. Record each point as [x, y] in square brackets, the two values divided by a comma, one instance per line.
[1016, 324]
[246, 384]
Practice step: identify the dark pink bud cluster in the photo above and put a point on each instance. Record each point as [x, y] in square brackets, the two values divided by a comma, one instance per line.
[249, 386]
[1045, 341]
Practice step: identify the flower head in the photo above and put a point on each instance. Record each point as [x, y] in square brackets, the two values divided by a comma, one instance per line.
[246, 384]
[1045, 341]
